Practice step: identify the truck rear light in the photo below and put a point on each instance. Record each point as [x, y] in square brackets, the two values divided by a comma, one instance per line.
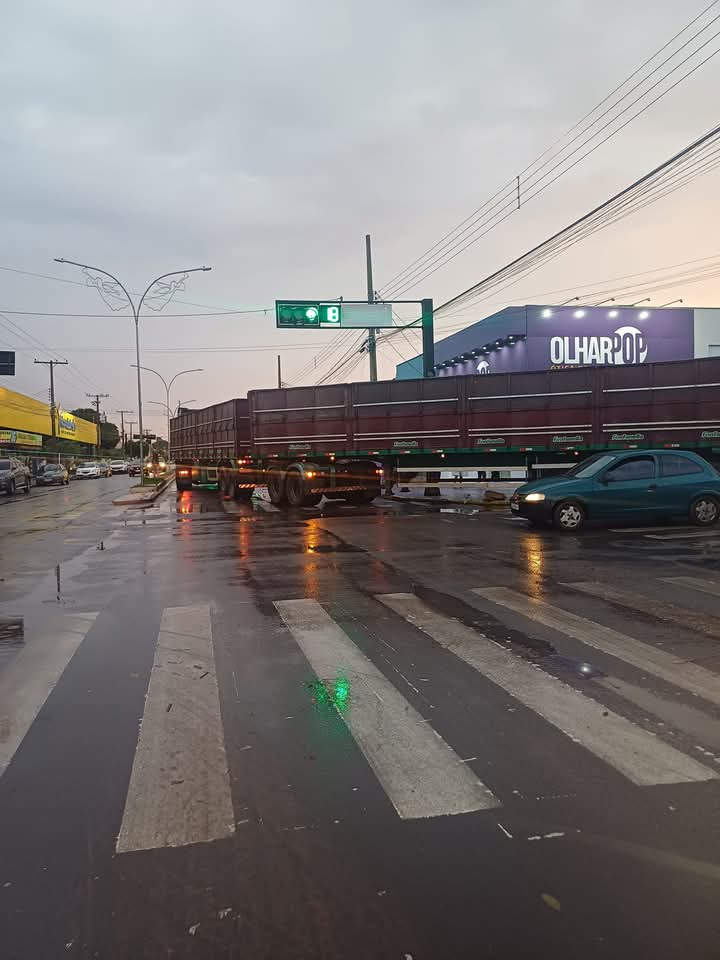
[378, 471]
[182, 472]
[310, 474]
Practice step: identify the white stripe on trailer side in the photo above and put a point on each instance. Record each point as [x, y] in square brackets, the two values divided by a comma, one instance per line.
[30, 678]
[643, 656]
[711, 587]
[179, 789]
[640, 756]
[420, 773]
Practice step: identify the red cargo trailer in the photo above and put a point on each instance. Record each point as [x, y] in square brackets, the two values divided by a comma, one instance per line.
[304, 442]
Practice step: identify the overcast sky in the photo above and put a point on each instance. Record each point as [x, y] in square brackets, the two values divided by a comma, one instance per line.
[266, 140]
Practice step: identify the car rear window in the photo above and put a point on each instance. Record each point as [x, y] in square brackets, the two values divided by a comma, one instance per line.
[675, 465]
[4, 464]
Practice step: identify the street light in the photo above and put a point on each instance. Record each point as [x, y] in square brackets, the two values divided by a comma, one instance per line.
[167, 390]
[136, 308]
[181, 404]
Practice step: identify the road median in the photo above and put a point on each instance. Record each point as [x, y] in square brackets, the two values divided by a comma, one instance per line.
[143, 496]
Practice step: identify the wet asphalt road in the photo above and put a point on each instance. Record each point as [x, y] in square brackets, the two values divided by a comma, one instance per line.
[314, 822]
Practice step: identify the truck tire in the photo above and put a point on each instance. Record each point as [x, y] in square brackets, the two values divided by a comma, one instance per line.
[276, 487]
[226, 485]
[243, 494]
[296, 487]
[10, 489]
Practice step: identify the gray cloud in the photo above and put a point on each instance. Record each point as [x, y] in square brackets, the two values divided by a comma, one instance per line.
[267, 139]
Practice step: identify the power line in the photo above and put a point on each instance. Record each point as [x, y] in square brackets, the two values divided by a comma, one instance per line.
[81, 283]
[128, 316]
[652, 185]
[506, 197]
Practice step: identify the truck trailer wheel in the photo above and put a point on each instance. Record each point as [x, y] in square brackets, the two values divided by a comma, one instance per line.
[243, 494]
[276, 486]
[296, 487]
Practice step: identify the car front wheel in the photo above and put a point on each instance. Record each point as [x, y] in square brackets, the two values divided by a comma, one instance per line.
[704, 511]
[569, 516]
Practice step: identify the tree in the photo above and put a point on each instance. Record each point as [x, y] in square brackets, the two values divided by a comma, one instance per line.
[86, 413]
[109, 435]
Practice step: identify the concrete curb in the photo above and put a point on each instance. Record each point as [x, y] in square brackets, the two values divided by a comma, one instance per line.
[145, 500]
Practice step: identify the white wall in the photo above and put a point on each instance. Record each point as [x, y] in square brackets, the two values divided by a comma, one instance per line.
[707, 331]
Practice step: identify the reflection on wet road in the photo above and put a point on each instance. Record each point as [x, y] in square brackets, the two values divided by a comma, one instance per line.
[231, 730]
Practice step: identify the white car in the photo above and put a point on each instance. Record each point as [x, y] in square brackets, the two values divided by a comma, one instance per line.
[119, 466]
[85, 470]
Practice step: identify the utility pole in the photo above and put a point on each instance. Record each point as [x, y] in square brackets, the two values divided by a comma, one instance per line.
[131, 426]
[122, 426]
[96, 398]
[371, 341]
[279, 372]
[53, 411]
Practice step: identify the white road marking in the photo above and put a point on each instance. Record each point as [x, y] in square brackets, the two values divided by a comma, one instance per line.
[179, 789]
[644, 656]
[420, 773]
[31, 676]
[641, 756]
[696, 583]
[654, 529]
[656, 608]
[698, 535]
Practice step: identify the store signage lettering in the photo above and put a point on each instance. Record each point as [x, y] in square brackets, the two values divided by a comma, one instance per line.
[405, 444]
[710, 435]
[490, 441]
[574, 438]
[625, 345]
[627, 436]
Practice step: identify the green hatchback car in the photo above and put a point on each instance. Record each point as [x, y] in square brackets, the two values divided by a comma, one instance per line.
[634, 486]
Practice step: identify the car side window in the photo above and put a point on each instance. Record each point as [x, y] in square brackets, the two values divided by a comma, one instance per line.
[637, 468]
[674, 465]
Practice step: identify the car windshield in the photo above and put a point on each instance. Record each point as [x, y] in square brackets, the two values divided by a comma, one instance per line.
[591, 466]
[83, 465]
[53, 468]
[4, 464]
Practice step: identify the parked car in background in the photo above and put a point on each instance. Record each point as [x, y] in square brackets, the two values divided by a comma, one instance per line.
[119, 466]
[53, 473]
[639, 487]
[88, 469]
[14, 476]
[134, 468]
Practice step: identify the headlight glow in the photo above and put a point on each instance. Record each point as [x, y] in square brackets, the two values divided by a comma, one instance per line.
[534, 497]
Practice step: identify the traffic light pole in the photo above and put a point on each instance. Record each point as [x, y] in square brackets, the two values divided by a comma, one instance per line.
[428, 338]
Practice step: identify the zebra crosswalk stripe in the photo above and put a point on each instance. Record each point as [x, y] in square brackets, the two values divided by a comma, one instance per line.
[656, 608]
[643, 656]
[420, 773]
[30, 678]
[179, 789]
[695, 583]
[640, 756]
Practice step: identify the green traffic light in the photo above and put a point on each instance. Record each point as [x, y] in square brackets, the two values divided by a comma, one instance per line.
[311, 313]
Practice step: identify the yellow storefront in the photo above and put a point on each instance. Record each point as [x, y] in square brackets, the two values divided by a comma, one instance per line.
[24, 419]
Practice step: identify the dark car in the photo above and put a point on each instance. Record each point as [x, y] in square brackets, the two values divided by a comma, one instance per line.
[14, 475]
[54, 473]
[630, 485]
